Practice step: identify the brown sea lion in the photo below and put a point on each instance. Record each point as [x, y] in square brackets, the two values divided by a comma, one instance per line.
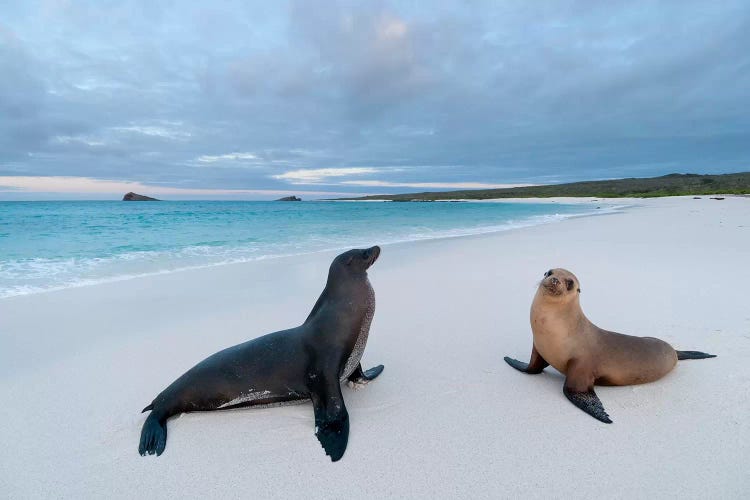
[587, 355]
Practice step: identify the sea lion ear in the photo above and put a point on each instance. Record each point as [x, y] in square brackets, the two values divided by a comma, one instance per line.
[579, 290]
[349, 260]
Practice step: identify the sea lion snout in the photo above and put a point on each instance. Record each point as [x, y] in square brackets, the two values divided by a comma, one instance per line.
[357, 261]
[372, 254]
[557, 282]
[551, 285]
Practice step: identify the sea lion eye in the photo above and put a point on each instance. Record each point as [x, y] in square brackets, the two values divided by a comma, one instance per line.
[569, 283]
[548, 273]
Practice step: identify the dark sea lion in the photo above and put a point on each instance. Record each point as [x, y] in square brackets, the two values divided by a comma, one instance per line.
[308, 362]
[586, 354]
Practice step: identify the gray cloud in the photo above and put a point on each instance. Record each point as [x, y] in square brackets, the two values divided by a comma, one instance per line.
[470, 92]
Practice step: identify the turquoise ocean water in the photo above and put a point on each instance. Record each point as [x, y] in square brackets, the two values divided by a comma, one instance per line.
[54, 245]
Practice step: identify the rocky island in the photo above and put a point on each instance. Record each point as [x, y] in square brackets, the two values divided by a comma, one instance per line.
[289, 198]
[131, 196]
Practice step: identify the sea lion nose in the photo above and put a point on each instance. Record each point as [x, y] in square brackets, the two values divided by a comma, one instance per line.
[555, 281]
[372, 254]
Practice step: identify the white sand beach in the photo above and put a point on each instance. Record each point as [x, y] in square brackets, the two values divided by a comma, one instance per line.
[447, 418]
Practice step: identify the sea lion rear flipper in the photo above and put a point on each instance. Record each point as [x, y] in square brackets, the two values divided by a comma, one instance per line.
[694, 355]
[153, 436]
[373, 372]
[359, 376]
[331, 417]
[535, 365]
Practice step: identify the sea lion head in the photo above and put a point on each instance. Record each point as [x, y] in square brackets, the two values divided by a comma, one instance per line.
[560, 284]
[354, 262]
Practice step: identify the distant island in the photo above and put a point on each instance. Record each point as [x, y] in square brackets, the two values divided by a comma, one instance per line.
[289, 198]
[666, 185]
[131, 196]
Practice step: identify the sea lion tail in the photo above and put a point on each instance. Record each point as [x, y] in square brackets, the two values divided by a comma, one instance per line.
[148, 408]
[694, 355]
[153, 436]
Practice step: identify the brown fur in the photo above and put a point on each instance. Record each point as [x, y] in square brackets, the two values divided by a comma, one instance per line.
[587, 354]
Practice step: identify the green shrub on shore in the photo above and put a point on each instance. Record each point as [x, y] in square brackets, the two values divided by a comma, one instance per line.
[652, 187]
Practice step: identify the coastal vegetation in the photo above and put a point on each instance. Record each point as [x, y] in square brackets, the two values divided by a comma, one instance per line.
[666, 185]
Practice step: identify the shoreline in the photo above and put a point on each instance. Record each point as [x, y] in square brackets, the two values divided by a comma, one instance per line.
[614, 206]
[532, 221]
[77, 366]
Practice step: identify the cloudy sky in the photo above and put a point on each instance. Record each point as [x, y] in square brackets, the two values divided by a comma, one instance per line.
[257, 99]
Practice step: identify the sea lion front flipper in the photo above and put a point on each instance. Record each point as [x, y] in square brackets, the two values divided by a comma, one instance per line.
[579, 389]
[589, 402]
[331, 417]
[358, 379]
[535, 365]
